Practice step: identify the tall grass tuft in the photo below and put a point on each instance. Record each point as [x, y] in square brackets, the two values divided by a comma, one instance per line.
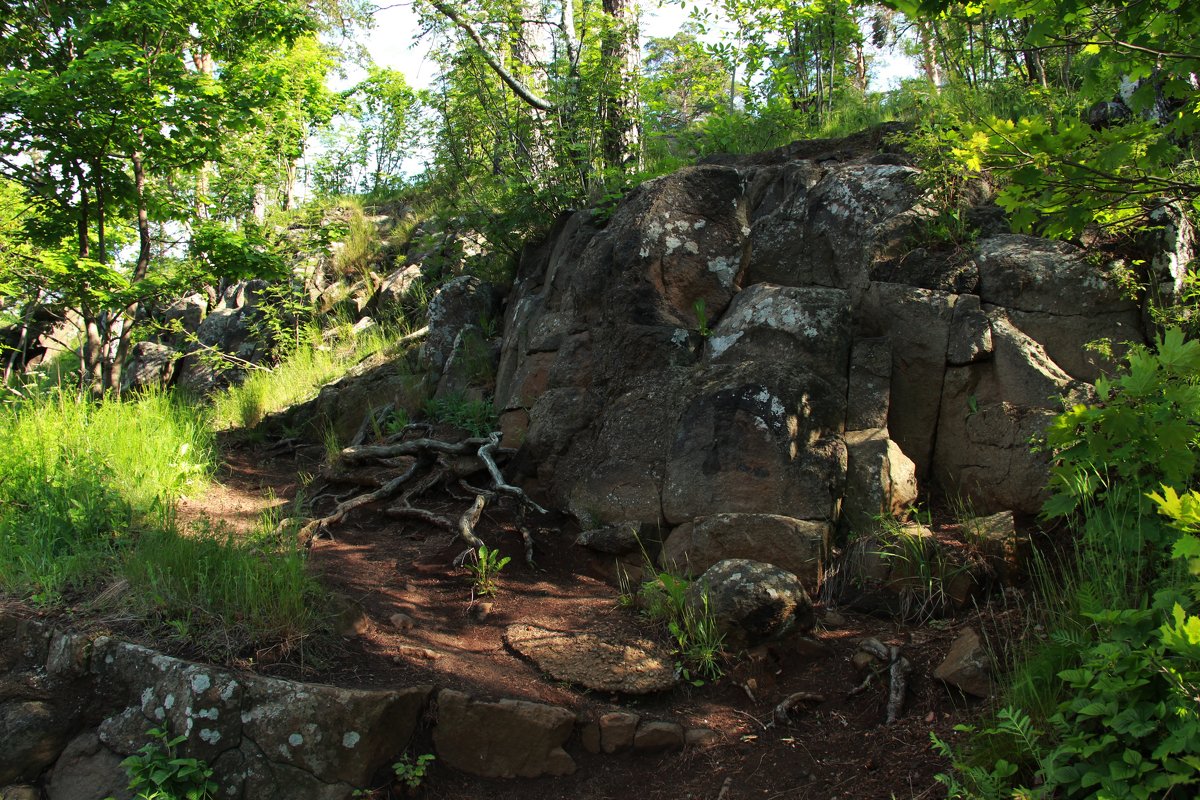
[223, 595]
[298, 377]
[77, 475]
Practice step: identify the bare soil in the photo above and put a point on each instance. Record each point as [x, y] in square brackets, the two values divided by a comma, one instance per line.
[381, 567]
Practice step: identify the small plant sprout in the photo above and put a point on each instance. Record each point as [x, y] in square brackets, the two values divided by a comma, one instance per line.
[411, 772]
[701, 311]
[485, 569]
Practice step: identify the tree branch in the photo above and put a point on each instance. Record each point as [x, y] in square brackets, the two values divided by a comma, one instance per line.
[520, 89]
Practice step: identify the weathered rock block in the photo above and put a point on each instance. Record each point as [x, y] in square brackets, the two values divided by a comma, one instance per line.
[752, 602]
[798, 546]
[504, 739]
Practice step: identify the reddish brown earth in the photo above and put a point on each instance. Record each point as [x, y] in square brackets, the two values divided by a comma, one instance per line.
[836, 748]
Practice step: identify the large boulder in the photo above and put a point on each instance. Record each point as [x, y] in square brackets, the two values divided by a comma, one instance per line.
[1029, 278]
[270, 738]
[465, 300]
[990, 411]
[751, 602]
[881, 481]
[798, 546]
[150, 366]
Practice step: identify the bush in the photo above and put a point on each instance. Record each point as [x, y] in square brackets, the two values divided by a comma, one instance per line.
[1126, 646]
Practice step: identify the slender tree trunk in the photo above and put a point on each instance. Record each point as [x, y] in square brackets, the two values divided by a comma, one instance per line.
[125, 321]
[621, 143]
[929, 59]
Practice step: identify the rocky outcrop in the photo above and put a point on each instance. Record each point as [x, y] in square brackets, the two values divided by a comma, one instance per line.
[76, 706]
[769, 335]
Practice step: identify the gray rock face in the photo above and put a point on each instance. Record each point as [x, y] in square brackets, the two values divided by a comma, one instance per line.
[150, 366]
[881, 481]
[615, 540]
[272, 738]
[989, 412]
[44, 696]
[187, 312]
[465, 300]
[87, 770]
[706, 352]
[798, 546]
[395, 287]
[752, 602]
[505, 739]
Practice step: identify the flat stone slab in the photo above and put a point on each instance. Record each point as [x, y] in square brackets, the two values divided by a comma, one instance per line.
[604, 663]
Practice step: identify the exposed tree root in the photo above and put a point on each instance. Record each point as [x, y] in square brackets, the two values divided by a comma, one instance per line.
[425, 463]
[898, 668]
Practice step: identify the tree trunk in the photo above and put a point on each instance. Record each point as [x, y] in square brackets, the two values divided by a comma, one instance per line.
[113, 378]
[621, 145]
[929, 59]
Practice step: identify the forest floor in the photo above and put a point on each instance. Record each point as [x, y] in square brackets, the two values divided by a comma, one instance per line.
[381, 567]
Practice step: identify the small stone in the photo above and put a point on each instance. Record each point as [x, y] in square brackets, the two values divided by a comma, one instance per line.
[701, 737]
[657, 736]
[401, 622]
[833, 620]
[967, 665]
[615, 540]
[20, 793]
[863, 660]
[617, 730]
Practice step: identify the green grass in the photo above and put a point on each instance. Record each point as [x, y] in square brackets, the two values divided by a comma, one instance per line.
[77, 475]
[298, 377]
[221, 594]
[87, 496]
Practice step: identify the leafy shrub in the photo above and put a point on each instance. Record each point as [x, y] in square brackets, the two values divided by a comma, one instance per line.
[699, 645]
[477, 417]
[157, 772]
[485, 568]
[1125, 722]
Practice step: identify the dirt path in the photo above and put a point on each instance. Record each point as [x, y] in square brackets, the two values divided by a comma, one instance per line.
[835, 748]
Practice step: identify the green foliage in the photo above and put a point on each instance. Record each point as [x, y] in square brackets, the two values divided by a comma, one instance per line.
[221, 594]
[298, 377]
[485, 568]
[411, 772]
[157, 772]
[699, 644]
[476, 417]
[1057, 173]
[1141, 434]
[701, 312]
[240, 254]
[1119, 677]
[78, 474]
[372, 134]
[919, 568]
